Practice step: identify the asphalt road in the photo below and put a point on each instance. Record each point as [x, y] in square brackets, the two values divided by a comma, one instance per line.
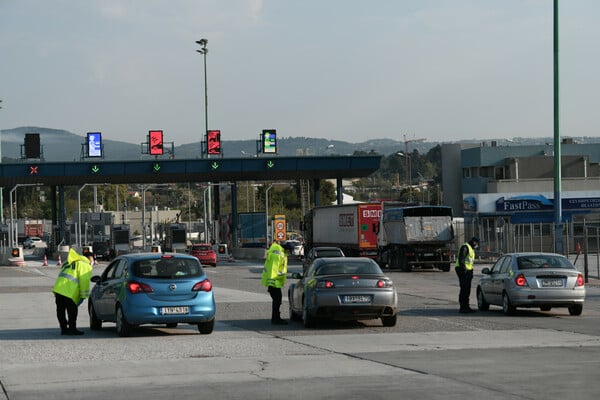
[433, 352]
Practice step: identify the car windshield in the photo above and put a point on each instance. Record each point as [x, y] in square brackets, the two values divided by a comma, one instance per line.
[167, 268]
[341, 268]
[330, 253]
[543, 261]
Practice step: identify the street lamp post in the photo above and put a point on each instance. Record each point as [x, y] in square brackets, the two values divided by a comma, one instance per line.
[204, 50]
[14, 226]
[79, 214]
[144, 188]
[205, 216]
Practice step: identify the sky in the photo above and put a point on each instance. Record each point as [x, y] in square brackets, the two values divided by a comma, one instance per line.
[351, 70]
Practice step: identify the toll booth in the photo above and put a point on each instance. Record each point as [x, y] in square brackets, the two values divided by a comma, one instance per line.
[16, 256]
[223, 253]
[119, 239]
[175, 237]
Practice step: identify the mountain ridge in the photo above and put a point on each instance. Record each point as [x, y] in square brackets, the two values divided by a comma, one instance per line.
[62, 145]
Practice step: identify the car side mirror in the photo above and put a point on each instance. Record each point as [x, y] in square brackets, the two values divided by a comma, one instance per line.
[296, 275]
[486, 271]
[95, 279]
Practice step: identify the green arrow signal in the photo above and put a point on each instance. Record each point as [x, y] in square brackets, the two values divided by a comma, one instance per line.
[214, 165]
[156, 167]
[270, 164]
[95, 169]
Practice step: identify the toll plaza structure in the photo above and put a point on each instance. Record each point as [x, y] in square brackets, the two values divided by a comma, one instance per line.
[156, 171]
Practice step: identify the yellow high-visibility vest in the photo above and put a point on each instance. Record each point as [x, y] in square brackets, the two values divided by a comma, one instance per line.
[73, 280]
[275, 269]
[470, 259]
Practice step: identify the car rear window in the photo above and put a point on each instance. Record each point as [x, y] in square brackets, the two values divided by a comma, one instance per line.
[202, 248]
[348, 268]
[162, 268]
[533, 262]
[330, 253]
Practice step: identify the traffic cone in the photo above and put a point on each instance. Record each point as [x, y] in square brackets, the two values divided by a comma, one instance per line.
[45, 264]
[59, 263]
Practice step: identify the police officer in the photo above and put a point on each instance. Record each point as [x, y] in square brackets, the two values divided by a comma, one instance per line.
[464, 271]
[273, 277]
[71, 287]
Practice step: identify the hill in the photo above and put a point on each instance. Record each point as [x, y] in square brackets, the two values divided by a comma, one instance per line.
[61, 145]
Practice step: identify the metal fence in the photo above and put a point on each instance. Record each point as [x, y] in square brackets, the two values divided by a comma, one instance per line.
[581, 239]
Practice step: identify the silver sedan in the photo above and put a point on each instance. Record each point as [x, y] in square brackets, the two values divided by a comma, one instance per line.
[343, 288]
[532, 280]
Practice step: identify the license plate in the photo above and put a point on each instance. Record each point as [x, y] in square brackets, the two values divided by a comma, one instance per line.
[552, 282]
[356, 299]
[174, 310]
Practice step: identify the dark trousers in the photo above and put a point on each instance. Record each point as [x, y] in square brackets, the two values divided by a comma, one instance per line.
[464, 279]
[66, 312]
[276, 296]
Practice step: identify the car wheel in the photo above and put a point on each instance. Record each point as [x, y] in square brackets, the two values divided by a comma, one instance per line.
[576, 309]
[309, 320]
[403, 263]
[389, 320]
[172, 325]
[207, 327]
[446, 267]
[123, 327]
[507, 306]
[482, 304]
[545, 308]
[95, 323]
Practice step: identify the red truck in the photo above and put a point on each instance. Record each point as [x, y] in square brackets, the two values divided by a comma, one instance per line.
[351, 227]
[34, 229]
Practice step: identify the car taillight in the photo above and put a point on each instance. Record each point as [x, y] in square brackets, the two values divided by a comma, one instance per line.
[520, 280]
[138, 287]
[580, 281]
[203, 286]
[325, 284]
[384, 283]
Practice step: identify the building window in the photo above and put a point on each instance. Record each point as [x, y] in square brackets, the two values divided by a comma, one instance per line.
[499, 173]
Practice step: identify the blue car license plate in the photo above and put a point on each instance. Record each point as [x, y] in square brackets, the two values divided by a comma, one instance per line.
[356, 299]
[174, 310]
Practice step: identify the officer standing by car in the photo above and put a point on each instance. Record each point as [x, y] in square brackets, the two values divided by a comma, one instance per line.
[71, 287]
[464, 271]
[273, 277]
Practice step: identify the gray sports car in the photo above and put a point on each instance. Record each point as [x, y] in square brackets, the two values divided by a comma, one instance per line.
[540, 280]
[342, 288]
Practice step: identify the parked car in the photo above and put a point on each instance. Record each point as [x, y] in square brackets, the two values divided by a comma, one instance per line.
[152, 288]
[532, 280]
[343, 288]
[296, 247]
[205, 253]
[318, 252]
[33, 241]
[101, 251]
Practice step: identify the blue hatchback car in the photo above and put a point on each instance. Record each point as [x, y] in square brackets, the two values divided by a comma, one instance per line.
[152, 288]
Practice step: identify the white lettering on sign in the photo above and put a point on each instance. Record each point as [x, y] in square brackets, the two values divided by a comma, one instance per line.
[371, 213]
[346, 220]
[522, 205]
